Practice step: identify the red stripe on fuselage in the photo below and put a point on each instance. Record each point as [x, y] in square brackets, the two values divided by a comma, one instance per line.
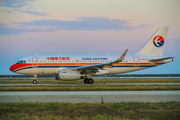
[19, 65]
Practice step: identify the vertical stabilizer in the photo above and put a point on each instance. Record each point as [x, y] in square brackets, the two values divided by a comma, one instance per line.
[155, 46]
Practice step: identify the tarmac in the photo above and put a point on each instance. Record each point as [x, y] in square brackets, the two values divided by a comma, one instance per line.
[91, 96]
[82, 84]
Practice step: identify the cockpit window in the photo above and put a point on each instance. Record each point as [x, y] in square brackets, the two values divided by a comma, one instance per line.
[21, 61]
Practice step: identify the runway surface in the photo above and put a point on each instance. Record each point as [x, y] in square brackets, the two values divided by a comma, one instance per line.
[137, 84]
[91, 96]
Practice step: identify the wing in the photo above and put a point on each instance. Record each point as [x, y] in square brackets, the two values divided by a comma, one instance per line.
[102, 65]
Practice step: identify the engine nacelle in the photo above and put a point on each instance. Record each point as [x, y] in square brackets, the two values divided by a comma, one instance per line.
[68, 75]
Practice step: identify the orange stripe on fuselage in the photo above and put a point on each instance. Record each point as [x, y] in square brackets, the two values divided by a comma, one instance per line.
[19, 65]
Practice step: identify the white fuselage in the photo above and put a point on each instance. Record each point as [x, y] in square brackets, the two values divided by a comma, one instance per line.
[51, 64]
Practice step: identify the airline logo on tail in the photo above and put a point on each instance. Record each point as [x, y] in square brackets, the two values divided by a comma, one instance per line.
[158, 41]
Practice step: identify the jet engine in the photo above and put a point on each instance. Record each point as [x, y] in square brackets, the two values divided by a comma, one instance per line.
[68, 75]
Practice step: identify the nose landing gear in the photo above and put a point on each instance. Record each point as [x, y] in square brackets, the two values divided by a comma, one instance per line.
[34, 81]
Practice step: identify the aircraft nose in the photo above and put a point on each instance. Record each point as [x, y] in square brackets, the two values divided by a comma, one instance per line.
[13, 67]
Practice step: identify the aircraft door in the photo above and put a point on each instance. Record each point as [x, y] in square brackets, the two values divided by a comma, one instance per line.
[34, 61]
[136, 61]
[77, 62]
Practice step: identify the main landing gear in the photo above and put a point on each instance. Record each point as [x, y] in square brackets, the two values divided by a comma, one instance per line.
[88, 81]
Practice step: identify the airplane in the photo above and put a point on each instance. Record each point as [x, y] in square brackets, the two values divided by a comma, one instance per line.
[75, 67]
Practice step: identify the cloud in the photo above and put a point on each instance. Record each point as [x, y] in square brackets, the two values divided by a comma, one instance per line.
[18, 29]
[29, 12]
[14, 3]
[85, 24]
[144, 25]
[36, 13]
[88, 24]
[6, 11]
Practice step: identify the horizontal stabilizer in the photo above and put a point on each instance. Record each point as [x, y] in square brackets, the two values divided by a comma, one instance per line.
[161, 60]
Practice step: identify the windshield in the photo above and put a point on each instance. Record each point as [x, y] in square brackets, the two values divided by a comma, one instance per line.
[21, 61]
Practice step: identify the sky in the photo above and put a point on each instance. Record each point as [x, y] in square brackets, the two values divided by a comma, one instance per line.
[29, 27]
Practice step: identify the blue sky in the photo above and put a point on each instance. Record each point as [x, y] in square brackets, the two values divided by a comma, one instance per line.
[28, 27]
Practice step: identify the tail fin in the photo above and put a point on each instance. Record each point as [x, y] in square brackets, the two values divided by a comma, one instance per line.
[155, 46]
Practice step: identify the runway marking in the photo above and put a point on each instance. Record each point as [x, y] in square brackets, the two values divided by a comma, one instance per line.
[18, 97]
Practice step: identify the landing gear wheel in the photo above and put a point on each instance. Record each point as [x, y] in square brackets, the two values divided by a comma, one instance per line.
[86, 81]
[91, 81]
[34, 81]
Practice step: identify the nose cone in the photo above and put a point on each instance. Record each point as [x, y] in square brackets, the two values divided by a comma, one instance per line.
[13, 67]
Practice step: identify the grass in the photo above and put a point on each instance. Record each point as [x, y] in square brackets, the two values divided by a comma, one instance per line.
[88, 111]
[89, 88]
[81, 81]
[93, 87]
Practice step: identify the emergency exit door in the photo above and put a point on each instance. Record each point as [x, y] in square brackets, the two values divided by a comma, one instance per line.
[136, 61]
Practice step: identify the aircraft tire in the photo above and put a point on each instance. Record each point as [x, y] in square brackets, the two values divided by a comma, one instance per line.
[86, 81]
[91, 81]
[34, 81]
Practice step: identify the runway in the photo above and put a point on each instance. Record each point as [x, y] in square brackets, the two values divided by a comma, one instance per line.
[101, 84]
[91, 96]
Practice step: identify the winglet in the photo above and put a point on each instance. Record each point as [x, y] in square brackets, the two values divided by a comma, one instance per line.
[120, 59]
